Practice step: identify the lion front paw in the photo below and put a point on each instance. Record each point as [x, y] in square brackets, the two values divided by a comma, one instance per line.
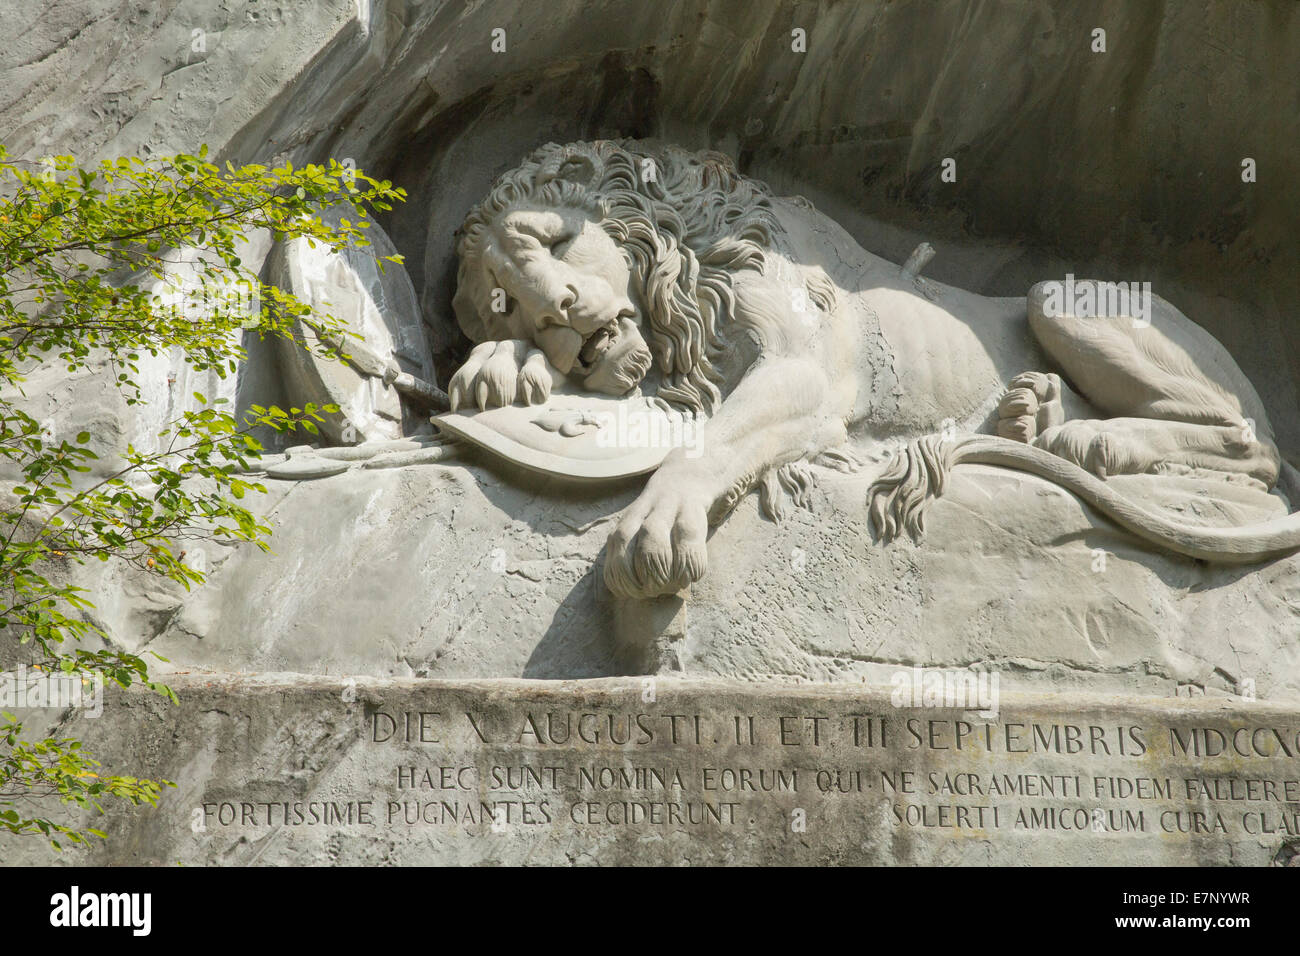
[1030, 405]
[535, 379]
[659, 544]
[490, 376]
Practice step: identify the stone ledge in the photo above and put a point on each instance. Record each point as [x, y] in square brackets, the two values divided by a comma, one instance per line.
[297, 769]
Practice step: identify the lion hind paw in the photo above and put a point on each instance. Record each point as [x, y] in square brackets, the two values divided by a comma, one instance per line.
[1030, 405]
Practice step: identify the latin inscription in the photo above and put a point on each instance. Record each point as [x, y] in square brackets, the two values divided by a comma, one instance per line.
[460, 765]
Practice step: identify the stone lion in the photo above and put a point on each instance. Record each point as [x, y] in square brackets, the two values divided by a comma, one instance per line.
[622, 266]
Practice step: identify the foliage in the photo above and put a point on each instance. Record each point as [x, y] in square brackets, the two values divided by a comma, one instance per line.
[99, 267]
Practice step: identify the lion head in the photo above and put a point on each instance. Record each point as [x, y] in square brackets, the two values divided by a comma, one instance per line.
[616, 260]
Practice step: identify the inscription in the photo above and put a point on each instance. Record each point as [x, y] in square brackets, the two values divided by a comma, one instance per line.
[514, 768]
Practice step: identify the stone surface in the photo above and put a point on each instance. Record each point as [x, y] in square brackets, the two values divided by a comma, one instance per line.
[292, 771]
[1069, 160]
[469, 569]
[413, 569]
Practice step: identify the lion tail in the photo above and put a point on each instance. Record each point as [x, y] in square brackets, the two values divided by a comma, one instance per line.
[917, 475]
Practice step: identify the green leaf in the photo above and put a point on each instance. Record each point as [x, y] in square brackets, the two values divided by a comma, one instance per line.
[99, 295]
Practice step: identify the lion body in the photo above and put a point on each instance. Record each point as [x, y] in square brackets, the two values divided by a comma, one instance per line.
[766, 314]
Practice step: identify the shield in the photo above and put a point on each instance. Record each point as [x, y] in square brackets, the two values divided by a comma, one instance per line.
[377, 305]
[582, 436]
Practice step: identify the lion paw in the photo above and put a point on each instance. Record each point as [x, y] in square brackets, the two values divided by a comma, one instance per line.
[659, 545]
[1030, 405]
[1091, 446]
[490, 376]
[535, 379]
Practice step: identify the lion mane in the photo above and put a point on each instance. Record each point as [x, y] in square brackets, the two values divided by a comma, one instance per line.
[686, 221]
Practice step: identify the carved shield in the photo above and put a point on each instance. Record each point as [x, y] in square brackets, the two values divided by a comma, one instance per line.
[381, 307]
[582, 436]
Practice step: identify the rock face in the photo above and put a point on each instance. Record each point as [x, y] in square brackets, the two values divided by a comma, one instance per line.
[1068, 160]
[474, 570]
[424, 580]
[416, 92]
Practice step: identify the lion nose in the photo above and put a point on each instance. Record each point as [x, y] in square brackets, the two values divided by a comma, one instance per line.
[557, 312]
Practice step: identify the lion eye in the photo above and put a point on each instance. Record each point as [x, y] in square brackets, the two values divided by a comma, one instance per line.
[560, 245]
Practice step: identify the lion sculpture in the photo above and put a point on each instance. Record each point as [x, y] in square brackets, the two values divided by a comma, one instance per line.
[621, 266]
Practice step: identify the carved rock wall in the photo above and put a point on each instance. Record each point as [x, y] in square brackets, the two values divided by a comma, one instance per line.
[1124, 163]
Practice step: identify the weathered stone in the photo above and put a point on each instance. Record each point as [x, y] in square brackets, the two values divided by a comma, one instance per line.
[291, 770]
[811, 598]
[429, 561]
